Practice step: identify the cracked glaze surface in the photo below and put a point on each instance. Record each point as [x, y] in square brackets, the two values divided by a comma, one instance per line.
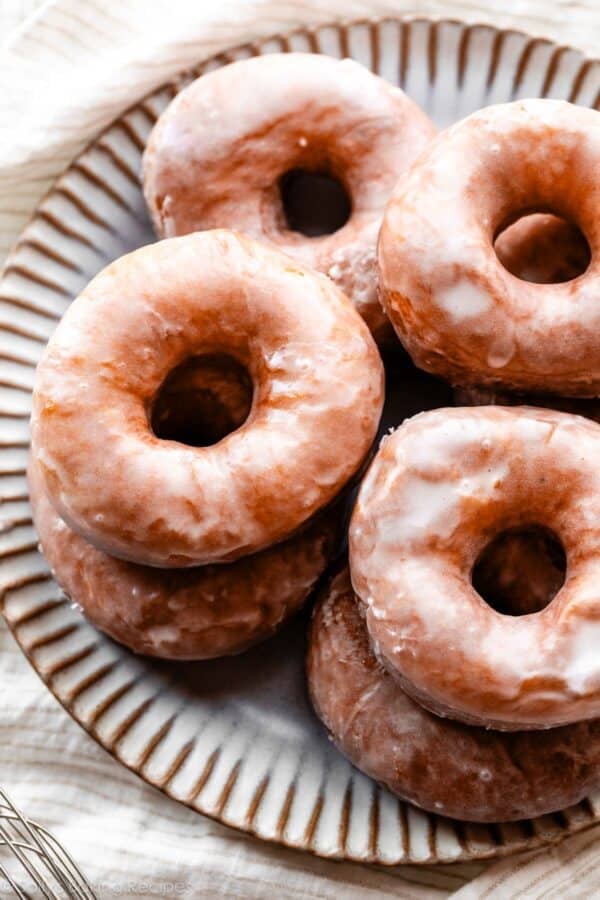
[443, 766]
[318, 391]
[439, 489]
[216, 155]
[458, 311]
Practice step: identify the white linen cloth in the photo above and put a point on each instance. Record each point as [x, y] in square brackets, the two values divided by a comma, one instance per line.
[67, 67]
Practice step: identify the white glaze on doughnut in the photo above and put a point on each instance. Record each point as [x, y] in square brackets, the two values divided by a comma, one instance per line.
[464, 301]
[481, 471]
[437, 242]
[215, 157]
[318, 392]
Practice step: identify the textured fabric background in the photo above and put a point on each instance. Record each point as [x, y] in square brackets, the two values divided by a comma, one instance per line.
[66, 68]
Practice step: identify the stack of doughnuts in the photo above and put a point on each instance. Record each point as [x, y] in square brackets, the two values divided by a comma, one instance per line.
[481, 712]
[186, 551]
[208, 403]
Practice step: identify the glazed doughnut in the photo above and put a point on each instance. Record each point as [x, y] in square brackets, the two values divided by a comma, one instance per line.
[455, 307]
[197, 613]
[439, 490]
[442, 766]
[218, 154]
[318, 391]
[544, 249]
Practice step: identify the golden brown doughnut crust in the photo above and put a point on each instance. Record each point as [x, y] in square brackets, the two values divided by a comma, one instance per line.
[217, 154]
[455, 307]
[443, 766]
[318, 393]
[197, 613]
[439, 489]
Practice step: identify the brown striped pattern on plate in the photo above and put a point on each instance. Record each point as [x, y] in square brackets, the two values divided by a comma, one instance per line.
[234, 739]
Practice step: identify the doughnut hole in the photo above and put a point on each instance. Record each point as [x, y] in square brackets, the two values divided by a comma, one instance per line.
[314, 203]
[543, 248]
[521, 570]
[202, 401]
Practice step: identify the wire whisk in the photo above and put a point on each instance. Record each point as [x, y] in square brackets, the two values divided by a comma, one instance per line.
[32, 861]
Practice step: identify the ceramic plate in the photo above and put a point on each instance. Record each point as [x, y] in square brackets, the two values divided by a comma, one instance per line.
[235, 739]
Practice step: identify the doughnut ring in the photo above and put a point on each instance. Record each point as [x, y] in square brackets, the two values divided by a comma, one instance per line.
[442, 766]
[455, 307]
[218, 158]
[439, 490]
[318, 391]
[198, 613]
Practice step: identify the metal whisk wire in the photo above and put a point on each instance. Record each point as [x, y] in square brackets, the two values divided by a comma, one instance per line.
[29, 849]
